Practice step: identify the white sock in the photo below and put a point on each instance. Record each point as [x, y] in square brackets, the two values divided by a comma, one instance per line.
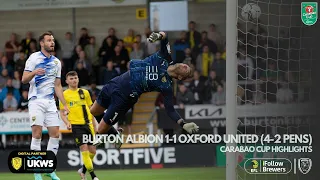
[53, 145]
[35, 144]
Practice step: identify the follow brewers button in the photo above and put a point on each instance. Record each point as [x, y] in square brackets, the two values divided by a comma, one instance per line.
[268, 166]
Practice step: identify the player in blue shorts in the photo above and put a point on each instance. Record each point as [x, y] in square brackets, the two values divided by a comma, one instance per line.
[154, 73]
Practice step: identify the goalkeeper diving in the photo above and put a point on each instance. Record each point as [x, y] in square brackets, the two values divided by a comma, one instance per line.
[154, 73]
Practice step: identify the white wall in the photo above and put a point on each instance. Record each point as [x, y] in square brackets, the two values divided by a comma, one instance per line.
[97, 20]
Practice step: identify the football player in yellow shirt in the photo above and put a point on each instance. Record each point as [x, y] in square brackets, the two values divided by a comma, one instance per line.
[80, 121]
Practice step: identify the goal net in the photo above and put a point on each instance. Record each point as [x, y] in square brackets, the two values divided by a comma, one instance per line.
[274, 56]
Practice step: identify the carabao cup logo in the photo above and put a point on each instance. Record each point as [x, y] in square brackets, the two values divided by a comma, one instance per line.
[309, 13]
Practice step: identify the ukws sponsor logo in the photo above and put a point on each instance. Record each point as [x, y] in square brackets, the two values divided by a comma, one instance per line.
[32, 162]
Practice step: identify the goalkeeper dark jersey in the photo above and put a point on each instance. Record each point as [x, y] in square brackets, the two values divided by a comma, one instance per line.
[150, 74]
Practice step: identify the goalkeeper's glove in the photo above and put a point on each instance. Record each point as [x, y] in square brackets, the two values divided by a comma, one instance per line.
[190, 127]
[154, 37]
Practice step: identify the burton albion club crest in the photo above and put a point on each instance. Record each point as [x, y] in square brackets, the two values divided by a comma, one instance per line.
[16, 163]
[309, 13]
[304, 165]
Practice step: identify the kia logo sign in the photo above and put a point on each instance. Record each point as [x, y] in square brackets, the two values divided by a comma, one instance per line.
[203, 112]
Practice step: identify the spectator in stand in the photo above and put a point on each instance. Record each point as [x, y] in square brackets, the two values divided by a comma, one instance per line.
[32, 48]
[82, 74]
[137, 53]
[194, 38]
[179, 47]
[187, 57]
[204, 61]
[21, 62]
[16, 82]
[112, 35]
[213, 48]
[219, 66]
[224, 53]
[1, 54]
[8, 88]
[141, 45]
[219, 97]
[16, 55]
[84, 37]
[25, 43]
[150, 48]
[245, 66]
[106, 51]
[185, 96]
[215, 36]
[129, 40]
[119, 60]
[23, 103]
[257, 96]
[94, 91]
[63, 74]
[270, 78]
[75, 56]
[160, 101]
[67, 47]
[108, 73]
[198, 88]
[91, 51]
[83, 59]
[1, 107]
[11, 47]
[212, 85]
[6, 65]
[123, 50]
[10, 103]
[284, 94]
[3, 78]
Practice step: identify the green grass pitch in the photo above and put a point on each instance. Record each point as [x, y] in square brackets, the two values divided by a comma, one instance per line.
[141, 174]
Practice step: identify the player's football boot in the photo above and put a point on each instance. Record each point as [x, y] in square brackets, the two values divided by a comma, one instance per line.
[53, 176]
[37, 177]
[95, 178]
[83, 176]
[98, 141]
[119, 144]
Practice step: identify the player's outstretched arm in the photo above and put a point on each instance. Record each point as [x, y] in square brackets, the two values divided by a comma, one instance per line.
[156, 36]
[174, 115]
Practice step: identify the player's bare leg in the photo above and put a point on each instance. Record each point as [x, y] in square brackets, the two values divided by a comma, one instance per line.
[36, 144]
[96, 109]
[105, 128]
[53, 145]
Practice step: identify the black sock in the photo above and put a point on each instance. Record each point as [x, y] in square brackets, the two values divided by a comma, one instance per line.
[92, 175]
[84, 169]
[99, 117]
[112, 130]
